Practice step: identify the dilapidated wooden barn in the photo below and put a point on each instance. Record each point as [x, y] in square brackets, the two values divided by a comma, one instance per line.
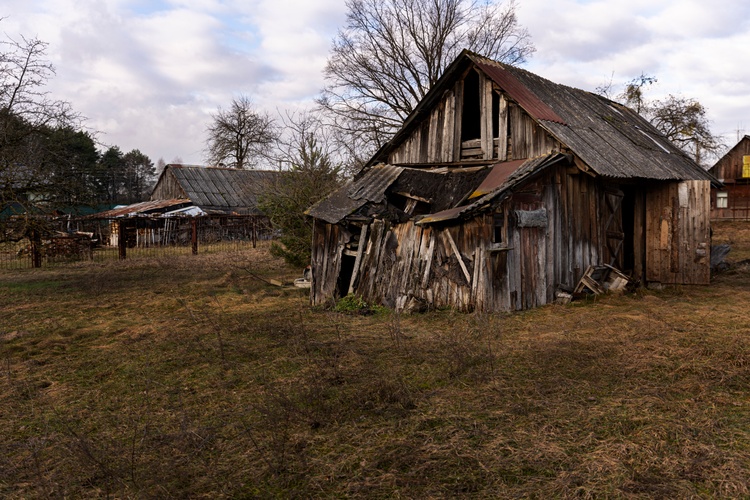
[732, 199]
[501, 189]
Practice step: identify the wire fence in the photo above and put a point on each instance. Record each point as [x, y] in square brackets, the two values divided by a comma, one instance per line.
[67, 239]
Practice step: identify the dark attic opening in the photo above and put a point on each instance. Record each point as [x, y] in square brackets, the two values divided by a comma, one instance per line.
[471, 116]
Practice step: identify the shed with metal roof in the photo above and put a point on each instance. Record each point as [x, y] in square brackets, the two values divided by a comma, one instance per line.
[215, 190]
[502, 190]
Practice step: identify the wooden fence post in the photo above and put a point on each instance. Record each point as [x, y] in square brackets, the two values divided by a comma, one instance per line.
[122, 243]
[255, 236]
[194, 234]
[36, 248]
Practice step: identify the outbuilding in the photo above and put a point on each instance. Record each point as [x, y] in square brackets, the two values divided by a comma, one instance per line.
[502, 190]
[731, 200]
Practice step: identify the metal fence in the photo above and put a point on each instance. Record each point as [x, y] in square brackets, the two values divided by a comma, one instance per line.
[68, 239]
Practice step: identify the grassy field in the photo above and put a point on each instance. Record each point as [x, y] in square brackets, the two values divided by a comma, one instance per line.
[192, 377]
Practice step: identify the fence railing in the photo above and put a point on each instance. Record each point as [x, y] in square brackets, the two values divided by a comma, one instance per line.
[68, 239]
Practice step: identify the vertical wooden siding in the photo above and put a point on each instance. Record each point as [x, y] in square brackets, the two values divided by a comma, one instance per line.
[327, 248]
[677, 233]
[437, 138]
[168, 188]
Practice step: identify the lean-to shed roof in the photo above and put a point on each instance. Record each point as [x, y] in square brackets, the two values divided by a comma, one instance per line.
[440, 188]
[144, 208]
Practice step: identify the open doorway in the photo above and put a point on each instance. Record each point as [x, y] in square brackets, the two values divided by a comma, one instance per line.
[345, 275]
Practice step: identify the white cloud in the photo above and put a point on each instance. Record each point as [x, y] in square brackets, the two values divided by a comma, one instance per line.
[148, 73]
[695, 48]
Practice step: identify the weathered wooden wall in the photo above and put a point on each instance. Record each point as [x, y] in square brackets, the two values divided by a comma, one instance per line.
[328, 244]
[167, 188]
[738, 203]
[457, 266]
[678, 233]
[437, 138]
[729, 170]
[729, 167]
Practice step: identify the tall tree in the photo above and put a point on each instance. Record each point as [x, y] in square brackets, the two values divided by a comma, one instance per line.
[139, 177]
[308, 171]
[110, 176]
[391, 52]
[240, 135]
[27, 116]
[70, 167]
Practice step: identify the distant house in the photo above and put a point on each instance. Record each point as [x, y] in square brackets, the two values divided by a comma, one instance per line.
[214, 190]
[732, 200]
[503, 189]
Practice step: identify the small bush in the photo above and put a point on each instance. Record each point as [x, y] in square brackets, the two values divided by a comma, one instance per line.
[352, 304]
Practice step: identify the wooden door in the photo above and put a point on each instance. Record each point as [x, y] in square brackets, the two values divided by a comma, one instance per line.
[613, 228]
[678, 233]
[533, 253]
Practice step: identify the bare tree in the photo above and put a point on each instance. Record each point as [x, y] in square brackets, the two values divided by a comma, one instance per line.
[28, 115]
[682, 120]
[308, 171]
[391, 52]
[238, 136]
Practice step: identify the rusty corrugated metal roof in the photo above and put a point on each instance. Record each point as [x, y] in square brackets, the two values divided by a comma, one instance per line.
[498, 175]
[612, 139]
[144, 208]
[521, 93]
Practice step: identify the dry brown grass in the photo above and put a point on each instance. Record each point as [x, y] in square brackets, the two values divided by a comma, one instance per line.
[736, 234]
[191, 377]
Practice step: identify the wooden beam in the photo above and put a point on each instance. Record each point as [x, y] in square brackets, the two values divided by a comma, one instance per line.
[458, 255]
[360, 249]
[502, 119]
[428, 267]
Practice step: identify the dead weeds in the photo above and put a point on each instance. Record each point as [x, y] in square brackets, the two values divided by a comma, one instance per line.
[193, 377]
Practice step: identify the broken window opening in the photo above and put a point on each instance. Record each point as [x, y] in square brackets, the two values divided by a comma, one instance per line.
[471, 117]
[409, 204]
[498, 228]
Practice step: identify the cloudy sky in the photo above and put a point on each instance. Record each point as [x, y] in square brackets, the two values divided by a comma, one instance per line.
[148, 73]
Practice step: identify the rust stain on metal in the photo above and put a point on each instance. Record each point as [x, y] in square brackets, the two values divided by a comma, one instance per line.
[522, 94]
[498, 175]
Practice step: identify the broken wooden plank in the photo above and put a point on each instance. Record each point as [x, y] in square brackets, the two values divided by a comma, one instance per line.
[430, 253]
[360, 249]
[458, 256]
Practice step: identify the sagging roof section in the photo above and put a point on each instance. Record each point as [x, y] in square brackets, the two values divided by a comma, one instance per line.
[438, 189]
[497, 186]
[449, 193]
